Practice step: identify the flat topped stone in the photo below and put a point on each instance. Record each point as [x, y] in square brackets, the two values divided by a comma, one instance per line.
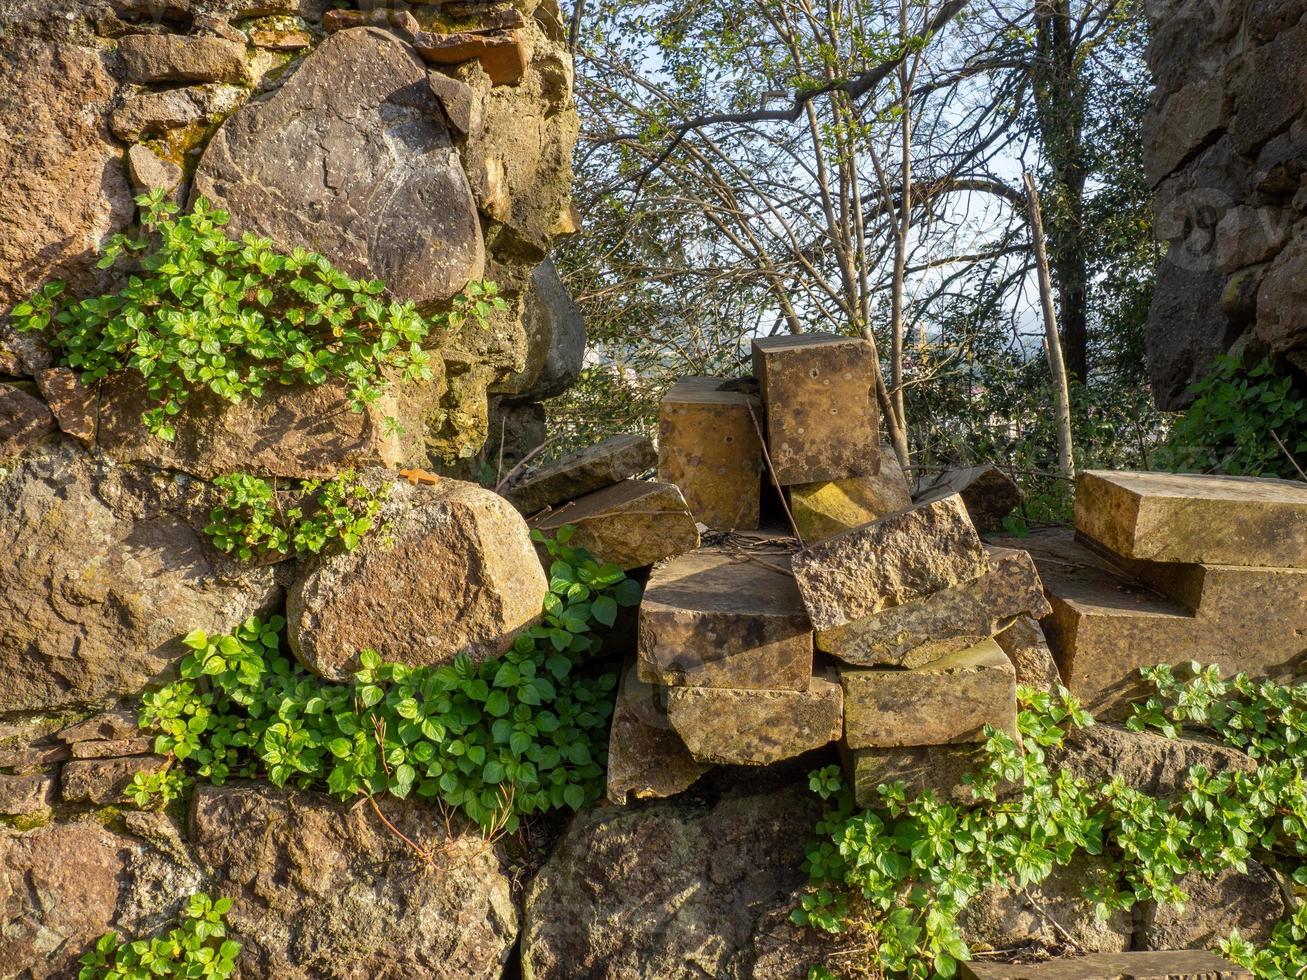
[632, 524]
[949, 700]
[726, 617]
[614, 459]
[989, 493]
[822, 419]
[1216, 520]
[944, 622]
[708, 446]
[1177, 964]
[646, 758]
[901, 557]
[823, 510]
[756, 728]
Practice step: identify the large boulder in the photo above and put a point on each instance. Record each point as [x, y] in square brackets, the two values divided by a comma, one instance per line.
[103, 570]
[673, 889]
[67, 884]
[388, 198]
[324, 889]
[454, 571]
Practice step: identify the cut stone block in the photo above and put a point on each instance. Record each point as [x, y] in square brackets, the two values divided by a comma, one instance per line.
[1216, 520]
[150, 58]
[905, 556]
[726, 618]
[1186, 964]
[1027, 647]
[939, 769]
[823, 510]
[989, 493]
[646, 758]
[502, 54]
[947, 701]
[1106, 623]
[615, 459]
[820, 394]
[709, 447]
[952, 619]
[631, 524]
[756, 728]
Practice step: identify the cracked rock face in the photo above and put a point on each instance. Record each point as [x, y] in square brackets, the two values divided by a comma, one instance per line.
[351, 157]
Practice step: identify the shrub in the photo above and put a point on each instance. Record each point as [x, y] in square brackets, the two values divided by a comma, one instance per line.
[197, 947]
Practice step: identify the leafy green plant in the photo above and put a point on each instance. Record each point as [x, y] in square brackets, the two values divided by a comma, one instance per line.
[1248, 421]
[903, 870]
[251, 521]
[197, 947]
[204, 310]
[515, 735]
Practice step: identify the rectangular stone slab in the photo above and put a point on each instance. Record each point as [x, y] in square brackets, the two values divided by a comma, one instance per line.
[822, 419]
[1106, 623]
[905, 556]
[1178, 964]
[952, 619]
[939, 769]
[725, 617]
[947, 701]
[614, 459]
[1214, 520]
[708, 446]
[646, 758]
[756, 728]
[823, 510]
[631, 524]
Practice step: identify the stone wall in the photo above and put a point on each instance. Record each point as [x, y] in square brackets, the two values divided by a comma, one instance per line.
[1225, 148]
[347, 132]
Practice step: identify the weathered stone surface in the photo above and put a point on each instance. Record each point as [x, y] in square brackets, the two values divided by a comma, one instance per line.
[460, 576]
[403, 22]
[150, 171]
[1106, 624]
[822, 419]
[615, 459]
[390, 200]
[323, 889]
[112, 725]
[102, 572]
[67, 884]
[675, 889]
[899, 558]
[147, 113]
[74, 405]
[1186, 329]
[1219, 520]
[26, 794]
[1183, 123]
[952, 619]
[756, 728]
[65, 189]
[293, 431]
[30, 742]
[24, 421]
[151, 58]
[501, 54]
[632, 524]
[112, 747]
[1170, 965]
[941, 769]
[1281, 323]
[708, 446]
[103, 781]
[1146, 761]
[721, 617]
[989, 493]
[1247, 235]
[281, 40]
[1039, 917]
[1249, 901]
[1027, 647]
[948, 700]
[461, 106]
[646, 758]
[555, 333]
[823, 510]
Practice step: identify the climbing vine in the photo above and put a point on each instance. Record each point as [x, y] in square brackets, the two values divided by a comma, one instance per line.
[197, 947]
[902, 871]
[204, 310]
[252, 521]
[519, 734]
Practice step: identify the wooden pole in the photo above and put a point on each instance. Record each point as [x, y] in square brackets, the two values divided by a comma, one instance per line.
[1052, 342]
